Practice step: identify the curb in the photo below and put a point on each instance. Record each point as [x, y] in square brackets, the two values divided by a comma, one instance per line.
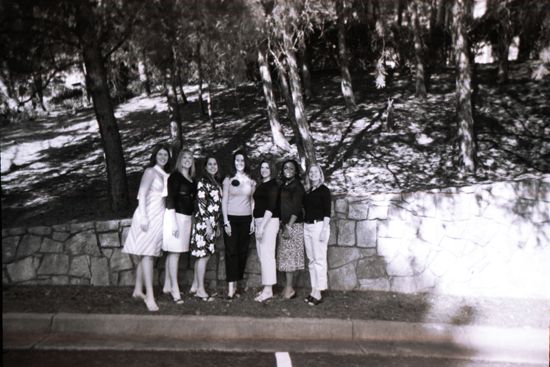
[527, 345]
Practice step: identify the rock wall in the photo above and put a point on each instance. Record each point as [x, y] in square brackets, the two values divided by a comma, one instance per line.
[488, 240]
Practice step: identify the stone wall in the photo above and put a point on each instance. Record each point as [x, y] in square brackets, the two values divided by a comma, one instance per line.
[482, 240]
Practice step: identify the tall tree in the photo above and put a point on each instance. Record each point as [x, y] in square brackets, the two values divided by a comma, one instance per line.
[279, 139]
[96, 80]
[462, 10]
[504, 39]
[420, 75]
[343, 8]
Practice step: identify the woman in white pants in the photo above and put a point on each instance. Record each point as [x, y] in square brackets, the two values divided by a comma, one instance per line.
[317, 204]
[266, 218]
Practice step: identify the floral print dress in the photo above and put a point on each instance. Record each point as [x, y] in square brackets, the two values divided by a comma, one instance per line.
[208, 213]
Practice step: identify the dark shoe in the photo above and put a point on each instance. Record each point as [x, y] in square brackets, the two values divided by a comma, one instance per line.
[204, 298]
[314, 301]
[308, 299]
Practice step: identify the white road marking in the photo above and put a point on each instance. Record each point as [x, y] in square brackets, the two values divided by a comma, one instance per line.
[283, 359]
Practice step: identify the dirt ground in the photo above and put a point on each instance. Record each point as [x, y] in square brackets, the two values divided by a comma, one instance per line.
[368, 305]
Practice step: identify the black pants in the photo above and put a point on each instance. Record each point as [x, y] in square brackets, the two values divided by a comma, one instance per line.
[236, 246]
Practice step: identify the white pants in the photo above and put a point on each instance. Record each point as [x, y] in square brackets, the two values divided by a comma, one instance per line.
[316, 251]
[266, 250]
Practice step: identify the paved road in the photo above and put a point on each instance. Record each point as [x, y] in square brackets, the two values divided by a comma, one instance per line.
[57, 358]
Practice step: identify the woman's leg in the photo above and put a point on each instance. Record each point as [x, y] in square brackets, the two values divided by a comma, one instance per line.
[147, 264]
[321, 267]
[243, 245]
[201, 271]
[138, 286]
[289, 286]
[167, 288]
[310, 252]
[172, 261]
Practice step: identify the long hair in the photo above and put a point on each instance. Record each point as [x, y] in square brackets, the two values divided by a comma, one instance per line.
[177, 166]
[233, 170]
[272, 169]
[296, 168]
[321, 174]
[153, 159]
[216, 179]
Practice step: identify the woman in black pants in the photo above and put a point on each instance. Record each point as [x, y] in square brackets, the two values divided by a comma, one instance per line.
[237, 204]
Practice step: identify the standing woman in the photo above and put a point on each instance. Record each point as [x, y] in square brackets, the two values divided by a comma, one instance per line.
[180, 203]
[237, 205]
[266, 220]
[317, 204]
[145, 235]
[290, 253]
[205, 227]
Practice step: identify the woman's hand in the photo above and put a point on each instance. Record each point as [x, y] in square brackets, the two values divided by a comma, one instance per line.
[259, 231]
[323, 236]
[209, 231]
[144, 225]
[252, 226]
[227, 227]
[218, 231]
[286, 233]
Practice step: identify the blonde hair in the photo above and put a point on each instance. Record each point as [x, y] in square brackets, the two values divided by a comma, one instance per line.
[321, 174]
[177, 166]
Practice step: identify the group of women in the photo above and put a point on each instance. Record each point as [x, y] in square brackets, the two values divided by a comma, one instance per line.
[178, 213]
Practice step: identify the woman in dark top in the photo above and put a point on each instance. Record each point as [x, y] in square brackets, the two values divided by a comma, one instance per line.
[317, 204]
[180, 204]
[266, 217]
[290, 253]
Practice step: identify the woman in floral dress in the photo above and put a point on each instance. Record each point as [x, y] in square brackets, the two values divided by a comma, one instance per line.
[206, 225]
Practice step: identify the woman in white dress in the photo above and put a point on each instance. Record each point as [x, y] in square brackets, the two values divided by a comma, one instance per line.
[180, 205]
[145, 236]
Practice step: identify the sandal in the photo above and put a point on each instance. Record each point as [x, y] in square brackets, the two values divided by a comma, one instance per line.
[314, 301]
[204, 298]
[263, 298]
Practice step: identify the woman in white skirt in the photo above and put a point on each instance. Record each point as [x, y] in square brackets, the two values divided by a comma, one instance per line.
[180, 204]
[145, 235]
[317, 207]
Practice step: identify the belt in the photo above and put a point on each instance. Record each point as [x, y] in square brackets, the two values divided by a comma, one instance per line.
[313, 221]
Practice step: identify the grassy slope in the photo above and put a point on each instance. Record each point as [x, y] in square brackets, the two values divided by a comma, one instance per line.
[53, 172]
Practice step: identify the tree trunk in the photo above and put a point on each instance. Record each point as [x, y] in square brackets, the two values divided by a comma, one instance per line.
[461, 13]
[176, 133]
[236, 94]
[96, 80]
[285, 91]
[306, 72]
[279, 139]
[504, 40]
[209, 107]
[298, 101]
[199, 66]
[180, 86]
[345, 83]
[144, 75]
[420, 78]
[39, 88]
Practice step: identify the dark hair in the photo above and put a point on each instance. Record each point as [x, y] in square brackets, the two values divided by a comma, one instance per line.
[296, 167]
[153, 160]
[217, 177]
[233, 170]
[272, 169]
